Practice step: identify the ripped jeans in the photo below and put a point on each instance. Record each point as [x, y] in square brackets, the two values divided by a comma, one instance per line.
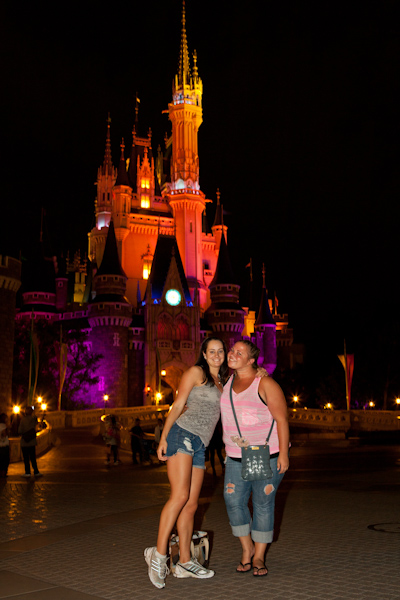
[181, 440]
[237, 494]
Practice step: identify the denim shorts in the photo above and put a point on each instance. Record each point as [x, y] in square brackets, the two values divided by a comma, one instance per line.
[181, 440]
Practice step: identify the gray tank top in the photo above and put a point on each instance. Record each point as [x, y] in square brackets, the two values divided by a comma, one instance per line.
[202, 413]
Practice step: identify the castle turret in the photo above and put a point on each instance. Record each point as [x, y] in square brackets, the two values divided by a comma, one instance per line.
[265, 332]
[110, 315]
[122, 199]
[183, 192]
[106, 176]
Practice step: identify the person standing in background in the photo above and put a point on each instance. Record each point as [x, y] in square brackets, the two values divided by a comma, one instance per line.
[27, 431]
[4, 445]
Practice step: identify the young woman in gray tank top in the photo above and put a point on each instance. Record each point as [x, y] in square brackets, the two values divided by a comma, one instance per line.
[183, 442]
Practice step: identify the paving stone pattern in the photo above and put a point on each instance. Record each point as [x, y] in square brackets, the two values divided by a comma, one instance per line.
[81, 535]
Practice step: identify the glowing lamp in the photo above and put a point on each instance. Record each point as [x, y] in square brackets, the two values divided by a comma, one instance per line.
[39, 399]
[329, 406]
[371, 404]
[43, 406]
[105, 397]
[16, 410]
[295, 398]
[398, 401]
[158, 396]
[163, 373]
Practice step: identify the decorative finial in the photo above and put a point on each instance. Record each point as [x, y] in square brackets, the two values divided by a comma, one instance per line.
[218, 195]
[263, 275]
[195, 71]
[107, 154]
[184, 67]
[122, 145]
[137, 109]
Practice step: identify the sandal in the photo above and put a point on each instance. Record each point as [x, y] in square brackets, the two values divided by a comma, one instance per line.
[256, 572]
[244, 569]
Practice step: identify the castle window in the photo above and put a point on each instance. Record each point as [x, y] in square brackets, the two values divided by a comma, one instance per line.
[116, 339]
[145, 201]
[147, 262]
[206, 266]
[59, 283]
[145, 183]
[191, 227]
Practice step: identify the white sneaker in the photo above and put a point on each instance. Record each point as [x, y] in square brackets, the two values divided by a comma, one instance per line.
[158, 569]
[26, 475]
[192, 569]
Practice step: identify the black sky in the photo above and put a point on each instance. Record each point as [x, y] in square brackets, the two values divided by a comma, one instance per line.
[300, 134]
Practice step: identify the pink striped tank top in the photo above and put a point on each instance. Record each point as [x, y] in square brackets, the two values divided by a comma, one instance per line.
[253, 417]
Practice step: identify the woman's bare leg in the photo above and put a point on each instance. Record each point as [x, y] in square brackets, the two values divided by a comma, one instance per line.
[186, 518]
[259, 559]
[179, 468]
[247, 552]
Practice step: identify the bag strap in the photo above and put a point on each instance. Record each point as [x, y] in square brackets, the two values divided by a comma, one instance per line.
[234, 413]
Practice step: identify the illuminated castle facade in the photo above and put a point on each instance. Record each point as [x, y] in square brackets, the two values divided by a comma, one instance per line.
[159, 279]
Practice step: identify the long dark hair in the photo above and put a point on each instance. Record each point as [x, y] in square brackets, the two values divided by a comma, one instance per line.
[201, 362]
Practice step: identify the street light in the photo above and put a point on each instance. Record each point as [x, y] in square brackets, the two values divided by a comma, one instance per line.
[398, 402]
[371, 404]
[105, 398]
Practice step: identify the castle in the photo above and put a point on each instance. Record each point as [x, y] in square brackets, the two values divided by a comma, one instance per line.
[158, 278]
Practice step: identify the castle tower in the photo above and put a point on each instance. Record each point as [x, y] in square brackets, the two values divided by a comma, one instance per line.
[110, 315]
[265, 332]
[10, 281]
[122, 199]
[61, 285]
[224, 315]
[183, 192]
[106, 176]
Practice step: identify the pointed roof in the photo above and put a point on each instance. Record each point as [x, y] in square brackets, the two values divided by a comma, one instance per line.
[219, 213]
[107, 162]
[264, 313]
[223, 272]
[110, 264]
[166, 248]
[184, 65]
[122, 177]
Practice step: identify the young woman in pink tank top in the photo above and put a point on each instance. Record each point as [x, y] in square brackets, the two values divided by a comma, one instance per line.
[257, 401]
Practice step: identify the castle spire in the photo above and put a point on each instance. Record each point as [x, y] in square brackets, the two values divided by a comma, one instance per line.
[122, 177]
[264, 312]
[184, 65]
[107, 162]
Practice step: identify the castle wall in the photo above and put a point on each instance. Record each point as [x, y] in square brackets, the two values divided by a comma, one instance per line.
[10, 281]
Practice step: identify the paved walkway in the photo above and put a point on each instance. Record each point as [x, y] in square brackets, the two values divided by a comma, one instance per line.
[78, 533]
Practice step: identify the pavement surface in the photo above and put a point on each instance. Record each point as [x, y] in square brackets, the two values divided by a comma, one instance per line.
[78, 532]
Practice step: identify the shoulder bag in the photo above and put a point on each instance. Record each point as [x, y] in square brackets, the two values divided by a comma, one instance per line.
[255, 459]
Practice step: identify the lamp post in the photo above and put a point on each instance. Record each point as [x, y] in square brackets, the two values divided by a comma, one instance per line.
[105, 398]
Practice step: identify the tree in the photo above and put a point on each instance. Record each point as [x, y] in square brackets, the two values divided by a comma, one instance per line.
[81, 365]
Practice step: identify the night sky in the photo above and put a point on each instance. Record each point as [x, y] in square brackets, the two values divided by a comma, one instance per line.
[300, 134]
